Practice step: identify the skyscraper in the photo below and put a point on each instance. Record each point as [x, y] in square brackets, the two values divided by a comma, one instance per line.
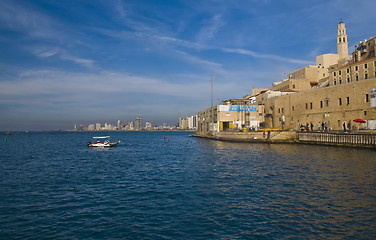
[138, 124]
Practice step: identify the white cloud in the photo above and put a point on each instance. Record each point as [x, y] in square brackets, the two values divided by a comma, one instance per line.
[46, 52]
[23, 19]
[266, 56]
[210, 29]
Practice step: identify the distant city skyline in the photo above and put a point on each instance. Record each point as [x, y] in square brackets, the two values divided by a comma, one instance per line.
[122, 125]
[82, 62]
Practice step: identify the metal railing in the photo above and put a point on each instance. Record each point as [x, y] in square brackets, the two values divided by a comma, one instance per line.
[351, 139]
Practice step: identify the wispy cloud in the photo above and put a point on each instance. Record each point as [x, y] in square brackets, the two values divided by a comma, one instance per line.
[196, 60]
[33, 83]
[46, 52]
[27, 21]
[266, 56]
[210, 28]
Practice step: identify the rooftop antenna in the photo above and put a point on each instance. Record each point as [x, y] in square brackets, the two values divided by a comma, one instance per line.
[211, 81]
[212, 114]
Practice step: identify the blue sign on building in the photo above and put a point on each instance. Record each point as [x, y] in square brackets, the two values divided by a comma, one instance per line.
[248, 108]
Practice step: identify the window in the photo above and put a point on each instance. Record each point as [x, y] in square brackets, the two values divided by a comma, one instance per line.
[310, 105]
[279, 110]
[340, 80]
[339, 72]
[348, 70]
[367, 98]
[348, 100]
[365, 113]
[366, 76]
[293, 86]
[293, 108]
[348, 79]
[321, 104]
[356, 78]
[365, 66]
[306, 106]
[344, 39]
[335, 82]
[339, 101]
[282, 110]
[356, 68]
[335, 74]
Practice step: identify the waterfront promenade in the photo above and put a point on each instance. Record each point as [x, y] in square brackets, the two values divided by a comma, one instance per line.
[332, 138]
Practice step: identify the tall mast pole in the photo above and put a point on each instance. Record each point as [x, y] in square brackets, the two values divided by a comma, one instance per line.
[211, 80]
[212, 110]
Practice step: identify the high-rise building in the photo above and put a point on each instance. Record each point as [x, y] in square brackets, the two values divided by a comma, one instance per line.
[131, 125]
[148, 125]
[138, 124]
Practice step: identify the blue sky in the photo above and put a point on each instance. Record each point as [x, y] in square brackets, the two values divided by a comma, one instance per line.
[79, 62]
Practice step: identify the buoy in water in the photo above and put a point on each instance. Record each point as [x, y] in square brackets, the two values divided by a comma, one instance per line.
[5, 140]
[164, 137]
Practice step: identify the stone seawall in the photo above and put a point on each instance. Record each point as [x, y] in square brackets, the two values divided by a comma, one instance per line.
[367, 140]
[272, 137]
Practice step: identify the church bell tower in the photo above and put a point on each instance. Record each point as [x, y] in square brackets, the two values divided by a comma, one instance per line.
[342, 44]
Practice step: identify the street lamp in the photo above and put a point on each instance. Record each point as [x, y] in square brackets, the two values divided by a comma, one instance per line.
[326, 114]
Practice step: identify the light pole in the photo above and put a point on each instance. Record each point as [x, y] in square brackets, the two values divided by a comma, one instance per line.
[326, 114]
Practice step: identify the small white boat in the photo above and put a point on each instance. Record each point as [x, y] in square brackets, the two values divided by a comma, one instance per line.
[102, 142]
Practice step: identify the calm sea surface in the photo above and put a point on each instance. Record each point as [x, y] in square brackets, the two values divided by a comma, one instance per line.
[53, 186]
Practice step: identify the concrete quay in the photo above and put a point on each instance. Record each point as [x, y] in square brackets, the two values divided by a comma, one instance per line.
[254, 137]
[358, 139]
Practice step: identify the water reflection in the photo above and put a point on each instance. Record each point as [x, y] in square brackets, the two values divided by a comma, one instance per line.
[322, 189]
[184, 188]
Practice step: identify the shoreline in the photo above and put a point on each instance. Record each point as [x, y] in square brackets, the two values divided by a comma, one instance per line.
[358, 140]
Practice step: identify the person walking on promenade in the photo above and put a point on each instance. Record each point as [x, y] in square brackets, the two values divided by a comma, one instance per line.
[344, 126]
[318, 126]
[349, 126]
[322, 126]
[311, 127]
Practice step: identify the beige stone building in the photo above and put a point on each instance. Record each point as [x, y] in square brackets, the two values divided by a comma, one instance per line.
[308, 76]
[332, 104]
[338, 89]
[340, 93]
[230, 115]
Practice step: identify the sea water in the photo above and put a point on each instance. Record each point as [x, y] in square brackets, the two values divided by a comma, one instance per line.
[53, 186]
